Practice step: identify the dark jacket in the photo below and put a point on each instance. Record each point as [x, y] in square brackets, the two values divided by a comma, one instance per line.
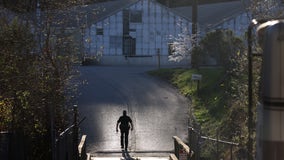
[124, 123]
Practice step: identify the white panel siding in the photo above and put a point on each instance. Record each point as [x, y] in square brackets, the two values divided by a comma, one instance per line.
[152, 34]
[158, 23]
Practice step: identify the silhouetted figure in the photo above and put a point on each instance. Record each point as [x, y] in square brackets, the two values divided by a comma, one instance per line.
[125, 123]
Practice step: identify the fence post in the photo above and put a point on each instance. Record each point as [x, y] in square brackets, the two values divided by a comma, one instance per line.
[159, 58]
[75, 134]
[194, 142]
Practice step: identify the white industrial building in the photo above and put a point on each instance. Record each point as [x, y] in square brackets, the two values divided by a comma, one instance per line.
[140, 32]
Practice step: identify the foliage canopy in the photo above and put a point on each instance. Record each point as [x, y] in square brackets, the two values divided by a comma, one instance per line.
[33, 89]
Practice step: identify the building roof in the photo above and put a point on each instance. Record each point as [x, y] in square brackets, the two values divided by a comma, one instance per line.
[210, 15]
[98, 11]
[82, 15]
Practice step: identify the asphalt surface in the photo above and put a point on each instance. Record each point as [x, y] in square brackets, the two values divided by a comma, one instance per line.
[157, 109]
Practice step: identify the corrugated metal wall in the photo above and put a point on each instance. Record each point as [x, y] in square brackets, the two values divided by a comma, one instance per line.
[158, 24]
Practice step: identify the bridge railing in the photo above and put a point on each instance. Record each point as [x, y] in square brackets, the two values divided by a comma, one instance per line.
[173, 157]
[82, 148]
[182, 151]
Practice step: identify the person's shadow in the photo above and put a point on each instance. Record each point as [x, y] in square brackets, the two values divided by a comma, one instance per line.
[126, 156]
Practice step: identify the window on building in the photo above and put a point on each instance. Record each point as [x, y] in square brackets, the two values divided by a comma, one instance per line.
[100, 31]
[136, 16]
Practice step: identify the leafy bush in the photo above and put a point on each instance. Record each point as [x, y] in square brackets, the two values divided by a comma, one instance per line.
[220, 104]
[33, 89]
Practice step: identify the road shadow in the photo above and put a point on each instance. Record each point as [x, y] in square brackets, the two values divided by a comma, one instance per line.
[126, 155]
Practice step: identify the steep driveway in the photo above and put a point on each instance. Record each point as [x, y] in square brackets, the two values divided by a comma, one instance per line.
[156, 108]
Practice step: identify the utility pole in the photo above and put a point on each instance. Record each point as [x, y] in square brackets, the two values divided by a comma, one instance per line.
[250, 114]
[194, 14]
[250, 90]
[194, 21]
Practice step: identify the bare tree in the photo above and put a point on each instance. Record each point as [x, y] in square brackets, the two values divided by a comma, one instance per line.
[181, 46]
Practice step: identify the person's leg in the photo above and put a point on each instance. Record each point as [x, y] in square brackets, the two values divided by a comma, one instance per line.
[126, 139]
[121, 139]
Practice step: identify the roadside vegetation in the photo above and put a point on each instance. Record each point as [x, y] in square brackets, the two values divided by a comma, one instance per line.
[219, 105]
[36, 90]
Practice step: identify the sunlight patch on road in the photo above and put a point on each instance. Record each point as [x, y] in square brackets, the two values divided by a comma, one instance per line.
[134, 158]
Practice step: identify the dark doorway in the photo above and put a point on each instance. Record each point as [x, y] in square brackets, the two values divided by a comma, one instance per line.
[129, 46]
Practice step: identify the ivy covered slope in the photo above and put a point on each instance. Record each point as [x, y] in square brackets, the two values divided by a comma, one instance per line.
[219, 106]
[213, 108]
[210, 103]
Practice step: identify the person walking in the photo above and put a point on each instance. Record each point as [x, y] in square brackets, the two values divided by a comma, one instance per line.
[125, 123]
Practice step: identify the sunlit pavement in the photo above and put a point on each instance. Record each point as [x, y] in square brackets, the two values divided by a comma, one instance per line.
[133, 158]
[130, 156]
[157, 109]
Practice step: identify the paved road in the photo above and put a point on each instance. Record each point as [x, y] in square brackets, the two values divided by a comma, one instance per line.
[156, 108]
